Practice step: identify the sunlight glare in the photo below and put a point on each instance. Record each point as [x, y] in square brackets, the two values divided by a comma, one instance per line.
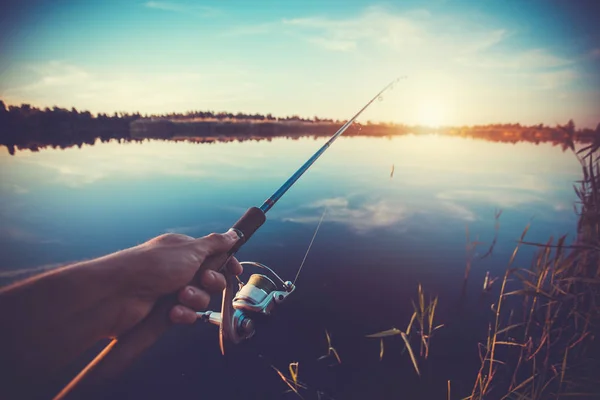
[431, 112]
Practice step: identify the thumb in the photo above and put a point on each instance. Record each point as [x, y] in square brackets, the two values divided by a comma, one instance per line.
[216, 243]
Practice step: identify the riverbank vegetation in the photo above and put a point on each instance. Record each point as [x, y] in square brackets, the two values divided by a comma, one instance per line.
[27, 127]
[542, 324]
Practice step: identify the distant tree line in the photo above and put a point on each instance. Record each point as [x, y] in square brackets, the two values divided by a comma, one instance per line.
[212, 115]
[30, 127]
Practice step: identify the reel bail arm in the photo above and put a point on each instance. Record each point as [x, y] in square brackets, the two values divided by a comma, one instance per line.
[259, 296]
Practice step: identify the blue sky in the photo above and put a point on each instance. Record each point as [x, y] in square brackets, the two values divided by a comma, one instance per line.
[467, 62]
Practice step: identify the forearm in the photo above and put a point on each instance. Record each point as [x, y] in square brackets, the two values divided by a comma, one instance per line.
[48, 320]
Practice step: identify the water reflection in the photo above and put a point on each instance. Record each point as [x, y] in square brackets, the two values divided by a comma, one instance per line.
[381, 235]
[55, 195]
[359, 217]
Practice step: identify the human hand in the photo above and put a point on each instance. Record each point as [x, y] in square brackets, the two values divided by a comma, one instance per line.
[132, 295]
[177, 265]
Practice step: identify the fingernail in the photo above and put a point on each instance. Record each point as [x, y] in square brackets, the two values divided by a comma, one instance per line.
[190, 293]
[232, 235]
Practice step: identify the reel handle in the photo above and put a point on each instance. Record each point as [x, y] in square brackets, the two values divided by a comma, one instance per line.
[228, 334]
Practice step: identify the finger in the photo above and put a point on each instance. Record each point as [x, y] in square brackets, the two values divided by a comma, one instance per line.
[212, 281]
[216, 243]
[234, 266]
[182, 315]
[220, 264]
[194, 298]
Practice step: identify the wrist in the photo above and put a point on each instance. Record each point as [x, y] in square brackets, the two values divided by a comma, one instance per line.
[107, 282]
[116, 272]
[127, 301]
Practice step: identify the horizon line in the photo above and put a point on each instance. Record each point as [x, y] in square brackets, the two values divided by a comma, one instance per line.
[122, 114]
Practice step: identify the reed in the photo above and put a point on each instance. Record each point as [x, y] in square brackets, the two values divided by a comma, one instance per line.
[421, 323]
[557, 307]
[330, 350]
[546, 314]
[542, 324]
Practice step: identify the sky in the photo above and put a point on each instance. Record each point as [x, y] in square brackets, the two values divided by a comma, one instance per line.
[466, 62]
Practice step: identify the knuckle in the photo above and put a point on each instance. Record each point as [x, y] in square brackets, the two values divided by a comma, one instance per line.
[208, 244]
[170, 238]
[213, 237]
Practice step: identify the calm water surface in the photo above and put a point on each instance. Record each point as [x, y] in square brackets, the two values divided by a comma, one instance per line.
[381, 236]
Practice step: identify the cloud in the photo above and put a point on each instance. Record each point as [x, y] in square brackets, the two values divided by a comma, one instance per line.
[332, 202]
[458, 211]
[562, 207]
[416, 32]
[370, 215]
[484, 40]
[64, 84]
[413, 32]
[361, 219]
[421, 37]
[537, 69]
[372, 27]
[203, 11]
[53, 74]
[88, 165]
[501, 198]
[81, 168]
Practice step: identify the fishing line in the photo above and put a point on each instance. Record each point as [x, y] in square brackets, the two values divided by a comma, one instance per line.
[240, 303]
[270, 202]
[310, 245]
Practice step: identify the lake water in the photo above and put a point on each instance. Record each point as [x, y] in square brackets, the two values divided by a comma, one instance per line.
[381, 236]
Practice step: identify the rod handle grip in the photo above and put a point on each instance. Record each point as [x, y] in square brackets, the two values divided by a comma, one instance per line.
[252, 219]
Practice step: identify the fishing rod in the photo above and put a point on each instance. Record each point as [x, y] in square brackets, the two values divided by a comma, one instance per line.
[243, 302]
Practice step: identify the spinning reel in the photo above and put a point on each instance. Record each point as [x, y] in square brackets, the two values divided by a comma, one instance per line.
[242, 303]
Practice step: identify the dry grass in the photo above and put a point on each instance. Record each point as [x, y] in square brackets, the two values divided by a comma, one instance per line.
[544, 331]
[292, 381]
[545, 317]
[421, 323]
[330, 350]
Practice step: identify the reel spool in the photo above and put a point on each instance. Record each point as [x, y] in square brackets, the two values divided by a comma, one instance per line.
[242, 302]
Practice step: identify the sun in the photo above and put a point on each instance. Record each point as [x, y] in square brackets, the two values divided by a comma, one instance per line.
[431, 112]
